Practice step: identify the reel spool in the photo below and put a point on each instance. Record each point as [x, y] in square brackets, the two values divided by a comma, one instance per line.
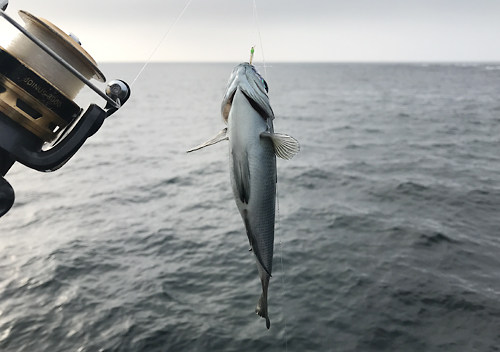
[41, 72]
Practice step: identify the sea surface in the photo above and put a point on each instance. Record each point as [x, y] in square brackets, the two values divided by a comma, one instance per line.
[387, 234]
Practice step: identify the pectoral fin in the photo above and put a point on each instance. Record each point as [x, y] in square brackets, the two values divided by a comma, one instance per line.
[285, 146]
[221, 136]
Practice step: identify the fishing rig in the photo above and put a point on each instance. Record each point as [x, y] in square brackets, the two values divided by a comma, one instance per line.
[41, 72]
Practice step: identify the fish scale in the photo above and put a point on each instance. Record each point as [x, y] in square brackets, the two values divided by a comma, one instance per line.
[263, 210]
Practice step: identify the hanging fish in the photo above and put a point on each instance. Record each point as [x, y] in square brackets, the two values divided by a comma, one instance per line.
[252, 163]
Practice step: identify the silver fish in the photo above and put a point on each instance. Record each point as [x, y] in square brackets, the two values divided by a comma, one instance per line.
[252, 164]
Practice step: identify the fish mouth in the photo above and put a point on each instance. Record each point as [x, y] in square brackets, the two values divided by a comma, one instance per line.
[255, 105]
[245, 78]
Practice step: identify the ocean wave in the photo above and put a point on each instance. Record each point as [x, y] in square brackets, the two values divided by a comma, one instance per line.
[389, 244]
[431, 239]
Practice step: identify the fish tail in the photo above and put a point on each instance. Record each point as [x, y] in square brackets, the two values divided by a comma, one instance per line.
[261, 308]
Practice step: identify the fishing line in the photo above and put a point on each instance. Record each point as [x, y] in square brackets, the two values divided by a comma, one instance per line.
[256, 24]
[282, 266]
[161, 41]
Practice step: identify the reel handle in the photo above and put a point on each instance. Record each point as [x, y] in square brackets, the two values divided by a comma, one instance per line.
[6, 196]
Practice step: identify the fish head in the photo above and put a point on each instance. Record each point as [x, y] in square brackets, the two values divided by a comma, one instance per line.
[246, 78]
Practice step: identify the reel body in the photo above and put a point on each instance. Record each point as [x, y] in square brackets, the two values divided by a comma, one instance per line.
[41, 126]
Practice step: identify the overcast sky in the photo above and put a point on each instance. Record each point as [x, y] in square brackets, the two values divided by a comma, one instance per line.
[291, 30]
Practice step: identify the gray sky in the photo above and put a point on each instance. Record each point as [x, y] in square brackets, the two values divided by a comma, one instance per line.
[290, 30]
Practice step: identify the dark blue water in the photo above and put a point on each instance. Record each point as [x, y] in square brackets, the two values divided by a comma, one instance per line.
[388, 236]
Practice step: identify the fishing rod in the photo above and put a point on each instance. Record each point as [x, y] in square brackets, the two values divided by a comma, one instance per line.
[41, 72]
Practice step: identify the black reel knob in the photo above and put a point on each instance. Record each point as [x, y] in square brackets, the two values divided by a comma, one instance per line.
[6, 196]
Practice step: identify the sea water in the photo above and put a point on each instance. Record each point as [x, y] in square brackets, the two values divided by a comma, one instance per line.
[387, 234]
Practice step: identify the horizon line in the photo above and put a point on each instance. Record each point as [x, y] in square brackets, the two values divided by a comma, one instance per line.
[314, 62]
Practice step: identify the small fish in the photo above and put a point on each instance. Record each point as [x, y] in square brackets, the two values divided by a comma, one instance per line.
[253, 146]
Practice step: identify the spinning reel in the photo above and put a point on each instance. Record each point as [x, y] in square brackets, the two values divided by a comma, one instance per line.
[41, 72]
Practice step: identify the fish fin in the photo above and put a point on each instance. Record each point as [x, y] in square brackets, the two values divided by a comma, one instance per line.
[285, 146]
[221, 136]
[242, 177]
[261, 308]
